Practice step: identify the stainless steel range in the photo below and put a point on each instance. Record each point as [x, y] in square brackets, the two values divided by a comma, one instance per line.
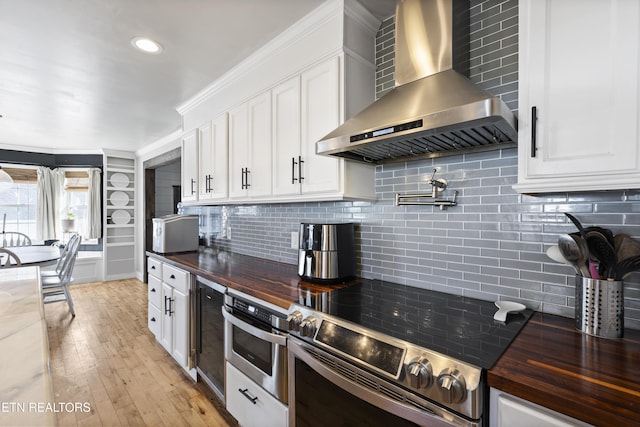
[384, 354]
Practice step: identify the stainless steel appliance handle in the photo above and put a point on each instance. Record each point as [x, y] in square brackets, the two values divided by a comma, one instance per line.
[436, 417]
[256, 332]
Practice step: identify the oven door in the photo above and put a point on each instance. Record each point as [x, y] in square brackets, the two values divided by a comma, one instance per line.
[258, 351]
[326, 390]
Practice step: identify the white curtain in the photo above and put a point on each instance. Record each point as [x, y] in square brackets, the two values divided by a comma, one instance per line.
[49, 202]
[94, 196]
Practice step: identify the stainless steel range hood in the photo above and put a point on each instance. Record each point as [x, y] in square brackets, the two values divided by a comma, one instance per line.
[434, 110]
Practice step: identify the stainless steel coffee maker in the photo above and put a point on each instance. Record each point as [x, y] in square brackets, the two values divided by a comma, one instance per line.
[327, 252]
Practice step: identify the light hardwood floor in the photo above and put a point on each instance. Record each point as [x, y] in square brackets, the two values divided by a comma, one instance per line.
[107, 358]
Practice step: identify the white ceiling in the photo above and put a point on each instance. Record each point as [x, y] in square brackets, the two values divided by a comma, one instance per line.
[71, 81]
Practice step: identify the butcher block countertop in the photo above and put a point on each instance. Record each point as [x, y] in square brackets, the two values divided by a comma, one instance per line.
[271, 281]
[595, 380]
[550, 363]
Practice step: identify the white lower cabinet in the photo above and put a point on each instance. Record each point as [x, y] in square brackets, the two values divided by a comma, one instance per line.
[507, 411]
[250, 404]
[168, 317]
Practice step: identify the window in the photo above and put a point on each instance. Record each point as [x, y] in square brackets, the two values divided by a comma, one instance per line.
[19, 203]
[76, 202]
[18, 208]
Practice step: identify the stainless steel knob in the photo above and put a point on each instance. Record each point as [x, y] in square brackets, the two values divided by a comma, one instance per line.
[452, 385]
[308, 327]
[419, 373]
[294, 320]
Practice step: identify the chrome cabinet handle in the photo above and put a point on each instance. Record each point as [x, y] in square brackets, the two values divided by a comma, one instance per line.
[167, 306]
[193, 182]
[245, 394]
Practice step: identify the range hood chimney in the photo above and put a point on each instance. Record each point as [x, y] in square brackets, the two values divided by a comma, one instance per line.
[434, 109]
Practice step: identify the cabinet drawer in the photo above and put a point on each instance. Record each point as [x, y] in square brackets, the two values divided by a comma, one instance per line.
[154, 320]
[175, 277]
[264, 410]
[154, 291]
[154, 267]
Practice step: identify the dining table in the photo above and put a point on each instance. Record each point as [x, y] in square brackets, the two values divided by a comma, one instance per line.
[34, 255]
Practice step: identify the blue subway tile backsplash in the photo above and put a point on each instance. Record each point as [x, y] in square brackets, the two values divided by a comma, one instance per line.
[490, 246]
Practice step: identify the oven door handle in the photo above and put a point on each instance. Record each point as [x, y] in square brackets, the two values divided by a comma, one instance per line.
[256, 332]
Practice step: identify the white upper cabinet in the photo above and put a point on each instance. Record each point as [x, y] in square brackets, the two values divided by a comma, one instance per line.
[189, 165]
[250, 148]
[578, 95]
[321, 112]
[214, 160]
[280, 101]
[305, 109]
[286, 171]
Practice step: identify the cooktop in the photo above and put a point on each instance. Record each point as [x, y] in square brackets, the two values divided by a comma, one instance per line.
[456, 326]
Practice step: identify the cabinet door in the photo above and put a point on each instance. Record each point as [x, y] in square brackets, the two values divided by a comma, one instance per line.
[205, 161]
[154, 291]
[320, 92]
[508, 410]
[285, 101]
[166, 327]
[180, 315]
[190, 166]
[238, 150]
[259, 177]
[581, 75]
[154, 320]
[213, 166]
[265, 411]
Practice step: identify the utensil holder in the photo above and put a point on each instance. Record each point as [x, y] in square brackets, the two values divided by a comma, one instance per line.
[599, 307]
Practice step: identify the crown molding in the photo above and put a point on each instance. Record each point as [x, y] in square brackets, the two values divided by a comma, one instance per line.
[360, 14]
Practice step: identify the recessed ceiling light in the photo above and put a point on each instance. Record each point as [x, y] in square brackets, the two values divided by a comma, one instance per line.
[146, 45]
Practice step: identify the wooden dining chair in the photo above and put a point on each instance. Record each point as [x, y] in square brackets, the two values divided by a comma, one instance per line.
[56, 288]
[12, 239]
[8, 258]
[64, 253]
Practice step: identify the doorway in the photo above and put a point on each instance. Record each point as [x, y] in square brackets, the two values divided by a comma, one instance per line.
[162, 180]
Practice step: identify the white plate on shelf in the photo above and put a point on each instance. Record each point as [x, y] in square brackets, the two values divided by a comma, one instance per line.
[119, 180]
[120, 217]
[119, 198]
